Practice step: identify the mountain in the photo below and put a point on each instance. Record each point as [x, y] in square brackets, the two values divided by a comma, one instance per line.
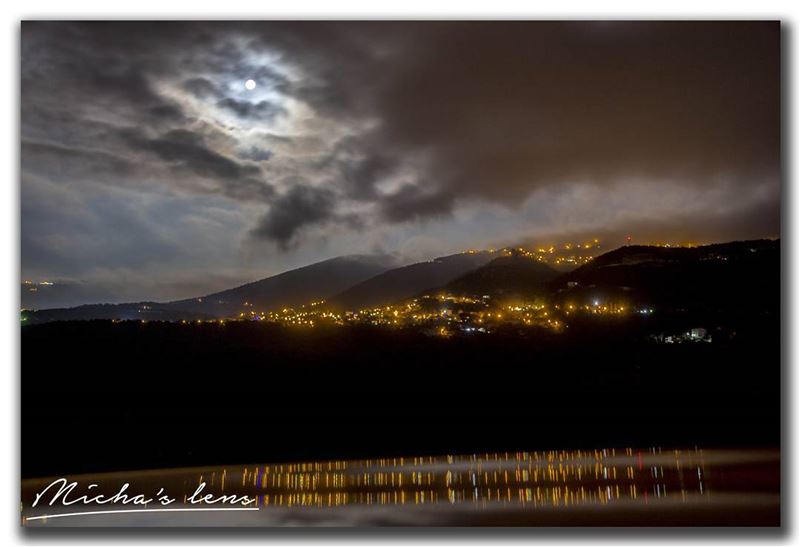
[740, 275]
[318, 281]
[408, 281]
[505, 276]
[292, 288]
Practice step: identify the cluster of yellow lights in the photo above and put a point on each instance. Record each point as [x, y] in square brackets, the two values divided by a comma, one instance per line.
[596, 308]
[574, 254]
[687, 245]
[34, 287]
[443, 314]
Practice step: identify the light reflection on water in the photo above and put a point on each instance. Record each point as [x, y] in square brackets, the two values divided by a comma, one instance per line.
[525, 478]
[521, 481]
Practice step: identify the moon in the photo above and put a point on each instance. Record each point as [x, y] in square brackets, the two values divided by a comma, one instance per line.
[250, 85]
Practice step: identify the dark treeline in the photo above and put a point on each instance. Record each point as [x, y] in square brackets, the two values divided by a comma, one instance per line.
[113, 396]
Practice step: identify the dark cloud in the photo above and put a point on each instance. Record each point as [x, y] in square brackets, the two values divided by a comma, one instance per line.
[502, 109]
[262, 110]
[188, 149]
[412, 202]
[359, 167]
[70, 162]
[86, 67]
[499, 110]
[184, 149]
[299, 207]
[201, 88]
[255, 153]
[167, 112]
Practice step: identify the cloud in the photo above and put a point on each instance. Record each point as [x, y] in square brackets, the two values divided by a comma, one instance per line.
[167, 112]
[412, 201]
[290, 213]
[188, 149]
[185, 150]
[500, 110]
[262, 110]
[201, 88]
[72, 161]
[255, 153]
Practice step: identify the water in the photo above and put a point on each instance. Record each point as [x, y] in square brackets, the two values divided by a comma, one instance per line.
[654, 486]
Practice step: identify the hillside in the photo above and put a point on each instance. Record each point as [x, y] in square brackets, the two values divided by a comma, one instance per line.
[318, 281]
[739, 275]
[505, 276]
[408, 281]
[292, 288]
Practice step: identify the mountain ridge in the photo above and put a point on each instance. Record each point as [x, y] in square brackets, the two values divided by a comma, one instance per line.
[290, 288]
[669, 276]
[408, 281]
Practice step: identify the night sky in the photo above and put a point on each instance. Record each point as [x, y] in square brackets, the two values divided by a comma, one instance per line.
[150, 171]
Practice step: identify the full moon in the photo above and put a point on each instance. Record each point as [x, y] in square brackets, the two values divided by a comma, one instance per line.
[250, 85]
